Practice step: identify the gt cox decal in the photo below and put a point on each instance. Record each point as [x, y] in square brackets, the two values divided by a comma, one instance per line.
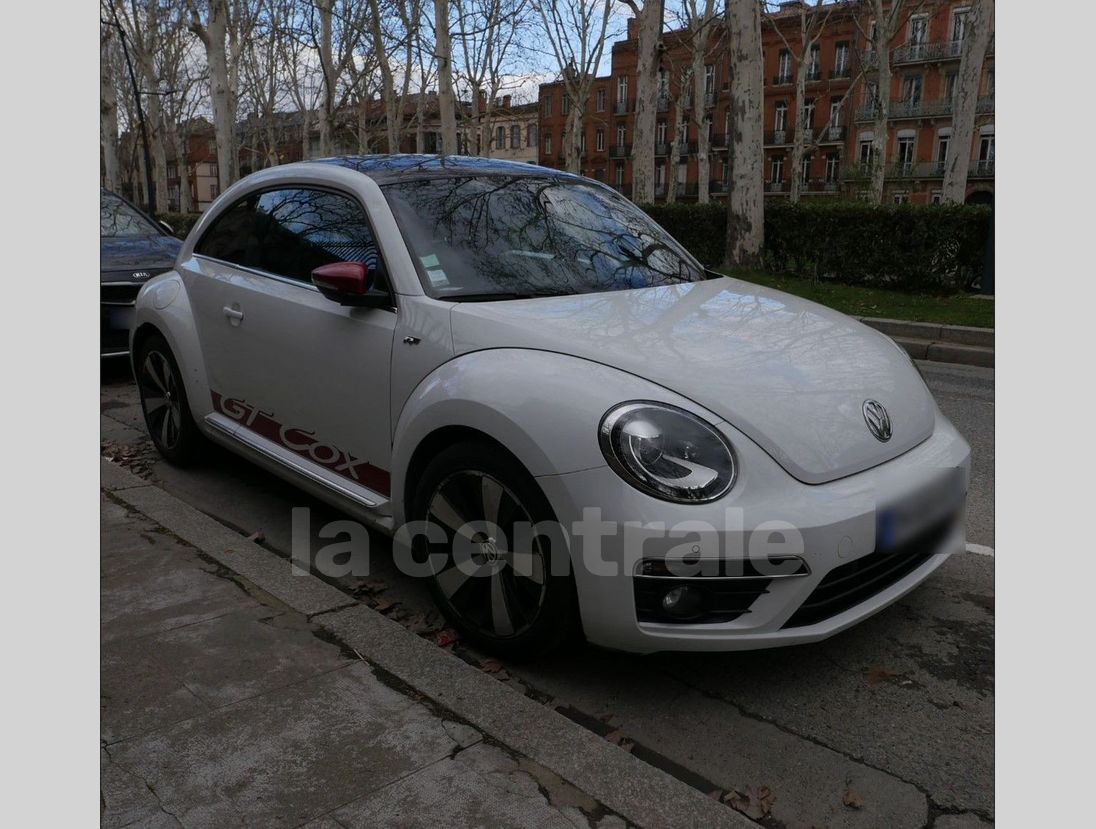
[303, 442]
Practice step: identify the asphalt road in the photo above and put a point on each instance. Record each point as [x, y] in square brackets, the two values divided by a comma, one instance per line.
[887, 724]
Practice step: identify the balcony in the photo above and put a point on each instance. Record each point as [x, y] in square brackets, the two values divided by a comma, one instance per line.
[981, 169]
[623, 107]
[663, 103]
[832, 135]
[778, 138]
[660, 191]
[782, 80]
[686, 189]
[662, 149]
[922, 52]
[717, 185]
[620, 151]
[840, 74]
[709, 100]
[814, 75]
[774, 187]
[719, 141]
[817, 185]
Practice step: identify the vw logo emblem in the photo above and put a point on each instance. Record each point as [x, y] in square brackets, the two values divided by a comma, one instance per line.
[878, 420]
[141, 275]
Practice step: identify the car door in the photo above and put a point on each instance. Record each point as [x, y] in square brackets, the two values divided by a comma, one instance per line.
[287, 364]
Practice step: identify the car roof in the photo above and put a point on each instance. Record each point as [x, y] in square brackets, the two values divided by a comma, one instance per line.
[385, 169]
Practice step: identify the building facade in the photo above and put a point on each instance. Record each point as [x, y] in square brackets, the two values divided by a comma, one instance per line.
[840, 86]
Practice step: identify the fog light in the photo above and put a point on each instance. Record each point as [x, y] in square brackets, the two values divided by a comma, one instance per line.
[682, 602]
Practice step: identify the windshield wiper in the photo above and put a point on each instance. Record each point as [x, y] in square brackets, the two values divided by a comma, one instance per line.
[504, 295]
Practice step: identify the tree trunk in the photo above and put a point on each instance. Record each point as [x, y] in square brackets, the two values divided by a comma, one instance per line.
[673, 162]
[798, 136]
[881, 47]
[108, 119]
[447, 106]
[221, 92]
[327, 68]
[976, 42]
[701, 33]
[573, 144]
[649, 25]
[182, 167]
[745, 201]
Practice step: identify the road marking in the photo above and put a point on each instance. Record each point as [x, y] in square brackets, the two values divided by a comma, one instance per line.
[980, 550]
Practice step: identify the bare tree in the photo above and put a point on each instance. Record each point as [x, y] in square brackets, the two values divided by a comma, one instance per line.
[649, 47]
[577, 32]
[447, 104]
[108, 111]
[977, 33]
[399, 36]
[811, 22]
[745, 201]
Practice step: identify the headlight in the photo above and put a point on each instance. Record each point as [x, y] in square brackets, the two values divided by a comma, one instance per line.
[667, 452]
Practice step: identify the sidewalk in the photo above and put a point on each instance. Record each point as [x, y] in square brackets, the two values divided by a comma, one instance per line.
[223, 705]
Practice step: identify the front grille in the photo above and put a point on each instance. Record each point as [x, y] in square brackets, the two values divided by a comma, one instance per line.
[850, 584]
[119, 294]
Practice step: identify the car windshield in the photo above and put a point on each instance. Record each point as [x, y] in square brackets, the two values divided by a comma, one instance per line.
[118, 219]
[503, 237]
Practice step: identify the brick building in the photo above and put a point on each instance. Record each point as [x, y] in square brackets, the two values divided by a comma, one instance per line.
[924, 60]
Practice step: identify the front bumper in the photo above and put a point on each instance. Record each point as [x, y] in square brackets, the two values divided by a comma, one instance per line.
[833, 524]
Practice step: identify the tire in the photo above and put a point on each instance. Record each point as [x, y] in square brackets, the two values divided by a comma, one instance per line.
[494, 599]
[164, 403]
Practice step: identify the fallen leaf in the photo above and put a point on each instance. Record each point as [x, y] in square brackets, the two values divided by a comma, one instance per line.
[491, 666]
[447, 637]
[258, 537]
[383, 604]
[877, 674]
[852, 800]
[615, 737]
[715, 794]
[753, 803]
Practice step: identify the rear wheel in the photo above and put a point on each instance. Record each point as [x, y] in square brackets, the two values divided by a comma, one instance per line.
[164, 403]
[494, 583]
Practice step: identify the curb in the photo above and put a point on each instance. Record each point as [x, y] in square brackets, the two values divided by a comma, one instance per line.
[961, 344]
[635, 790]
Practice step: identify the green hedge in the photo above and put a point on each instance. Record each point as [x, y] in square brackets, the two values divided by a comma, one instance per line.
[924, 248]
[181, 222]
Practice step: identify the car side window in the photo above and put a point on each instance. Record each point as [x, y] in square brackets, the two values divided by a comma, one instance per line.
[303, 228]
[234, 235]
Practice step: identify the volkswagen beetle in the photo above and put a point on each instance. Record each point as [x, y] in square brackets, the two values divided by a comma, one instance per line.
[560, 414]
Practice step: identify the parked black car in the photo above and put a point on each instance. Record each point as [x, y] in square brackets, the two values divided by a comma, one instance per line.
[133, 248]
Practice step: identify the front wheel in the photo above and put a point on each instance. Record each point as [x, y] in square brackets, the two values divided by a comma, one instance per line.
[164, 403]
[495, 582]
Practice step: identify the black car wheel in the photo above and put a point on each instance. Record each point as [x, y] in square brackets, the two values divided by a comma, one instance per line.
[164, 403]
[495, 585]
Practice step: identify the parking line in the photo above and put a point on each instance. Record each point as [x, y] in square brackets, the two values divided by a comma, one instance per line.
[979, 549]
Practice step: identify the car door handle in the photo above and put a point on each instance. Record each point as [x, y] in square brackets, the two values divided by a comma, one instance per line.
[233, 313]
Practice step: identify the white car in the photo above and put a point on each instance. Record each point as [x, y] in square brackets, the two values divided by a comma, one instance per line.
[567, 422]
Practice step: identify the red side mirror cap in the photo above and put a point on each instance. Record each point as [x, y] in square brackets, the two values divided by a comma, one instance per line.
[346, 278]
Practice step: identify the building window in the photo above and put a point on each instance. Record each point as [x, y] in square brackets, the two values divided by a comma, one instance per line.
[565, 107]
[905, 153]
[212, 166]
[548, 105]
[943, 144]
[784, 67]
[959, 24]
[867, 152]
[841, 60]
[805, 169]
[500, 137]
[618, 174]
[951, 84]
[212, 191]
[919, 30]
[937, 197]
[913, 88]
[808, 114]
[776, 175]
[599, 140]
[902, 198]
[989, 83]
[709, 79]
[515, 137]
[814, 63]
[622, 89]
[835, 113]
[833, 166]
[660, 133]
[622, 135]
[780, 116]
[986, 148]
[531, 135]
[600, 99]
[660, 175]
[599, 173]
[582, 143]
[547, 143]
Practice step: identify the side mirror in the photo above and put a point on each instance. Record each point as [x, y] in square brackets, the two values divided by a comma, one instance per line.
[166, 226]
[348, 283]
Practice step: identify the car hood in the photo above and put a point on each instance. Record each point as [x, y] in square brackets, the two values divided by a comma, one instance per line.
[790, 374]
[137, 253]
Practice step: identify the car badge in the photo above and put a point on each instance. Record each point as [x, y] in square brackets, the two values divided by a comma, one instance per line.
[141, 275]
[878, 420]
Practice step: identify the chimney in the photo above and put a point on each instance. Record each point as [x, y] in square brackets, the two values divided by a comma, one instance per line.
[505, 101]
[632, 23]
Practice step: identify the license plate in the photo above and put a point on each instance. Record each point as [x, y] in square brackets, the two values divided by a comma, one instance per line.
[895, 524]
